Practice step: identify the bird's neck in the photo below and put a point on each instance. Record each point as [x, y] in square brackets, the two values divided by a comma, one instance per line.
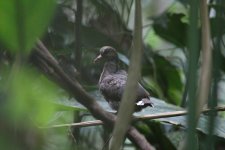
[110, 67]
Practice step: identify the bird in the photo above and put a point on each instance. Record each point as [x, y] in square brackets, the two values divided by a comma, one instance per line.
[112, 81]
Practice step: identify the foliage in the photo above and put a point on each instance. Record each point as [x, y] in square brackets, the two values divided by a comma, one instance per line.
[24, 21]
[29, 100]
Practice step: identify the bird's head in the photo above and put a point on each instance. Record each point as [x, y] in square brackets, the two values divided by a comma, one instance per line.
[106, 53]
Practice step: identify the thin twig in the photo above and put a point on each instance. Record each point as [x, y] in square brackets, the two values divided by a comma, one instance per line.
[80, 124]
[145, 117]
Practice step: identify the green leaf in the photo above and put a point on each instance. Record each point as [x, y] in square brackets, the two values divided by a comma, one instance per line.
[169, 77]
[171, 28]
[159, 131]
[153, 39]
[176, 137]
[217, 26]
[66, 105]
[58, 138]
[161, 106]
[31, 96]
[151, 84]
[23, 21]
[90, 136]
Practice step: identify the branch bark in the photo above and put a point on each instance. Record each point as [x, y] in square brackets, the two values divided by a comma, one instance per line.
[205, 78]
[129, 96]
[49, 66]
[145, 117]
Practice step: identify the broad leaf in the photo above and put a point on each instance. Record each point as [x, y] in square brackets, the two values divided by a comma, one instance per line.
[23, 21]
[30, 97]
[162, 107]
[169, 77]
[171, 28]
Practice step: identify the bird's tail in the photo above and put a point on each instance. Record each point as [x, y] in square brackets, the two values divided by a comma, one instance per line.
[144, 102]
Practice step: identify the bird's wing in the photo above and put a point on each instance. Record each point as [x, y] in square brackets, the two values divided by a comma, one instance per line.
[141, 92]
[112, 87]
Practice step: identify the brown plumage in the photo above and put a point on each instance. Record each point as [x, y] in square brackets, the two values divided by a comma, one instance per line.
[113, 80]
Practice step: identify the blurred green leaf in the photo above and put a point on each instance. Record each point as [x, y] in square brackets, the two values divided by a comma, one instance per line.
[168, 76]
[178, 8]
[217, 28]
[171, 28]
[176, 137]
[6, 143]
[57, 138]
[153, 39]
[31, 96]
[159, 134]
[65, 105]
[90, 137]
[23, 21]
[152, 85]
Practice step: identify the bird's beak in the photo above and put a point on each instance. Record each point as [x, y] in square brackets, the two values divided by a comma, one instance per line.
[97, 58]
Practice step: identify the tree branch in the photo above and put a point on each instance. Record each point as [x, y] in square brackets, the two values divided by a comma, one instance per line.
[49, 66]
[205, 78]
[145, 117]
[129, 96]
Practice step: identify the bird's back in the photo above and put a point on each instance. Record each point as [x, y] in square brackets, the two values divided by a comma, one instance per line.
[112, 88]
